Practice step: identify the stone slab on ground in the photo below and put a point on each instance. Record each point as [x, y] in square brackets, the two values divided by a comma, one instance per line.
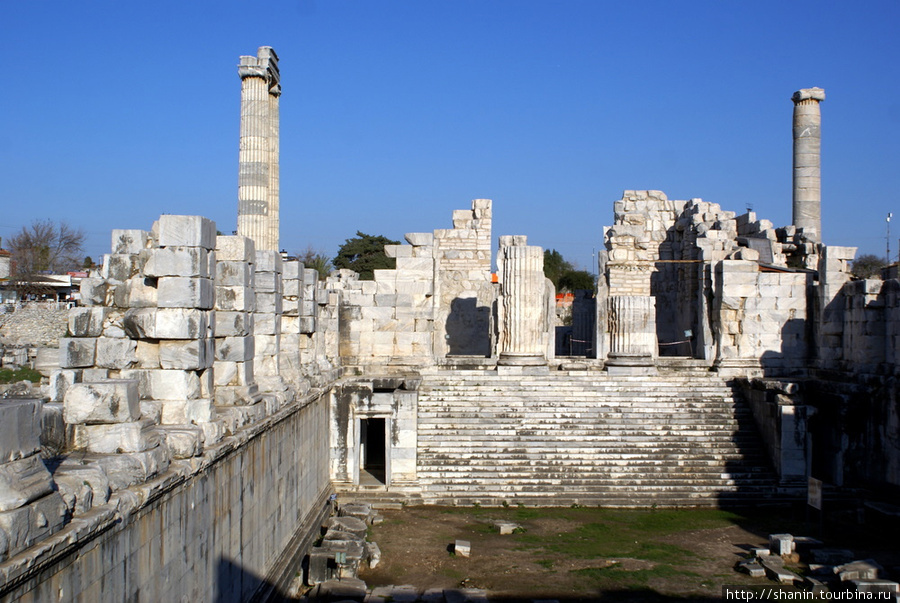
[462, 548]
[861, 569]
[347, 524]
[752, 568]
[875, 586]
[339, 590]
[775, 571]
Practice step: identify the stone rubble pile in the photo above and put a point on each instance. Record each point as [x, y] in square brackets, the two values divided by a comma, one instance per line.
[344, 547]
[30, 507]
[831, 570]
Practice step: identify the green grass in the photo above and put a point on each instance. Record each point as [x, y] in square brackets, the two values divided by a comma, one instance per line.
[617, 577]
[623, 533]
[22, 374]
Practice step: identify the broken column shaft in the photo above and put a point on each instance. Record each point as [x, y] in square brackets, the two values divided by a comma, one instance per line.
[807, 161]
[521, 296]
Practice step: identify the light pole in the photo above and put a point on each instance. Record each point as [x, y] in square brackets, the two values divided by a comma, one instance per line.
[888, 244]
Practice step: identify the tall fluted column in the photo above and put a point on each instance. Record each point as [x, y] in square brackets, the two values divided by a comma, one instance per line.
[522, 303]
[258, 181]
[807, 161]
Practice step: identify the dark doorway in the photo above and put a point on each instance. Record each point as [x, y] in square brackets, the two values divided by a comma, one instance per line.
[372, 443]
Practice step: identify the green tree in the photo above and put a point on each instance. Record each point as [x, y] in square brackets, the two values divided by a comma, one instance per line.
[572, 280]
[363, 254]
[867, 266]
[555, 266]
[317, 260]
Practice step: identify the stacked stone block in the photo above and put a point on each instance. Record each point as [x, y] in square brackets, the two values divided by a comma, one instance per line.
[463, 288]
[235, 383]
[177, 331]
[30, 508]
[761, 317]
[834, 274]
[864, 341]
[267, 329]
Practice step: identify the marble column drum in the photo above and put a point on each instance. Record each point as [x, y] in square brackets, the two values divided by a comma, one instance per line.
[521, 295]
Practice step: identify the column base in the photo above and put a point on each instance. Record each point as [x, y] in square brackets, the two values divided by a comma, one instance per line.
[511, 359]
[630, 364]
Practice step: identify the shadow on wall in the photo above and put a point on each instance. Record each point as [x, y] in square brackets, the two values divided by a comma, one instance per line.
[468, 328]
[792, 359]
[235, 584]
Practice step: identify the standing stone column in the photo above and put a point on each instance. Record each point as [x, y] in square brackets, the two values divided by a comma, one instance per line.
[522, 303]
[258, 179]
[807, 163]
[632, 334]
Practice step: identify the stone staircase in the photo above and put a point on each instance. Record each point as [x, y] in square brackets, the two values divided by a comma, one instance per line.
[586, 438]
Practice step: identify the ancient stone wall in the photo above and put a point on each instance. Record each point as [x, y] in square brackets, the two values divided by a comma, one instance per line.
[219, 528]
[184, 428]
[436, 302]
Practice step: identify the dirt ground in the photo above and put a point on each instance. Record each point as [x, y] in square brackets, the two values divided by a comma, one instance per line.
[570, 554]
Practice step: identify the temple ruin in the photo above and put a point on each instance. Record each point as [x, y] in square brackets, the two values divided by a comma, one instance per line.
[212, 396]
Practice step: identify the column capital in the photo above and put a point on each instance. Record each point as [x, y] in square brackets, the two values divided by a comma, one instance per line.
[815, 94]
[265, 66]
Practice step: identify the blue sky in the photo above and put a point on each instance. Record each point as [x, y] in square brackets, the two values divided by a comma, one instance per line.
[395, 113]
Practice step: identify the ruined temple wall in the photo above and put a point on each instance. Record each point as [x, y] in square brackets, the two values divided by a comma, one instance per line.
[190, 384]
[761, 317]
[464, 293]
[215, 531]
[436, 302]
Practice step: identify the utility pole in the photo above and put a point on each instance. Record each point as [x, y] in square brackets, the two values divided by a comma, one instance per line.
[887, 258]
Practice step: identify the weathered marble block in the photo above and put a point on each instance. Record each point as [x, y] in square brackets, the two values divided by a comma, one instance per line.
[234, 274]
[113, 401]
[185, 441]
[235, 249]
[87, 321]
[114, 353]
[234, 349]
[23, 481]
[20, 429]
[233, 324]
[76, 352]
[268, 261]
[192, 354]
[292, 270]
[116, 438]
[233, 374]
[81, 486]
[267, 282]
[185, 292]
[136, 292]
[268, 302]
[187, 231]
[121, 266]
[181, 412]
[167, 323]
[174, 385]
[29, 524]
[307, 324]
[129, 240]
[235, 299]
[179, 261]
[266, 323]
